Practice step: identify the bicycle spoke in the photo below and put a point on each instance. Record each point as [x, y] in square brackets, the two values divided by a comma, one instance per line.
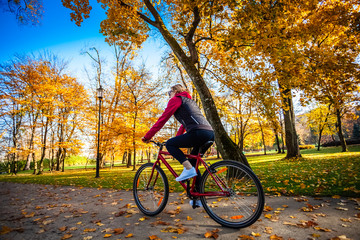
[151, 189]
[245, 201]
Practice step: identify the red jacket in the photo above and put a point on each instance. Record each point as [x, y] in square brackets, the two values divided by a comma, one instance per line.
[173, 105]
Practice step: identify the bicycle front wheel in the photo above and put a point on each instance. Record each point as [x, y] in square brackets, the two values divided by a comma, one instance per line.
[150, 189]
[244, 202]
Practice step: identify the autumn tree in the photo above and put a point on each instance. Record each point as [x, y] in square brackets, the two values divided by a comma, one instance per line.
[46, 96]
[320, 119]
[184, 25]
[27, 12]
[333, 73]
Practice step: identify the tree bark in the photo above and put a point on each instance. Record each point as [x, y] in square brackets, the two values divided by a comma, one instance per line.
[319, 140]
[227, 148]
[262, 135]
[128, 159]
[43, 148]
[277, 143]
[340, 133]
[291, 137]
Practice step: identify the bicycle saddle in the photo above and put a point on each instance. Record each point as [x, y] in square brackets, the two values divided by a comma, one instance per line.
[205, 147]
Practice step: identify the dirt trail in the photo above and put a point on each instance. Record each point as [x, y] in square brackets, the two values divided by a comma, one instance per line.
[30, 211]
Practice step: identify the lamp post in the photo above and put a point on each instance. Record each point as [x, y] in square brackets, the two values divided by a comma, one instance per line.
[100, 92]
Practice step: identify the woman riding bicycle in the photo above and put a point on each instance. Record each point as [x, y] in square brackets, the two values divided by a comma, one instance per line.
[198, 129]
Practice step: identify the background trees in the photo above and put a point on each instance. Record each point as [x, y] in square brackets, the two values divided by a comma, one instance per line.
[38, 98]
[248, 64]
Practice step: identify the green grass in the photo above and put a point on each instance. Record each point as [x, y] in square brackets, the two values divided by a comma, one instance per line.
[325, 173]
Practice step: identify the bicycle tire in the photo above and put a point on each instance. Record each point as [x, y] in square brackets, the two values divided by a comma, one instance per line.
[152, 199]
[246, 201]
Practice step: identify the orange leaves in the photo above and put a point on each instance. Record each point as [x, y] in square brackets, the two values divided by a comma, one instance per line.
[178, 230]
[237, 217]
[66, 236]
[246, 237]
[212, 234]
[5, 230]
[222, 170]
[129, 235]
[154, 237]
[276, 237]
[118, 231]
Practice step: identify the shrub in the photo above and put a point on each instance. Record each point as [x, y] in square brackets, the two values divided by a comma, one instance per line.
[337, 143]
[306, 146]
[76, 160]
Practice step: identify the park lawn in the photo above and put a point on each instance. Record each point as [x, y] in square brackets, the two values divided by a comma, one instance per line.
[325, 173]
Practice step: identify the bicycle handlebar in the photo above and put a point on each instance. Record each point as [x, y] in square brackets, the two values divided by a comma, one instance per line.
[159, 144]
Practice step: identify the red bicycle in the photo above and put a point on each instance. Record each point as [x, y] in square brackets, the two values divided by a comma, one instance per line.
[229, 191]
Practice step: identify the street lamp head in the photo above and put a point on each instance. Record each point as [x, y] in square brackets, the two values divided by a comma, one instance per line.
[100, 92]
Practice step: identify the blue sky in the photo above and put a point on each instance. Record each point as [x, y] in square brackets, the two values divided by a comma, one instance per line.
[59, 35]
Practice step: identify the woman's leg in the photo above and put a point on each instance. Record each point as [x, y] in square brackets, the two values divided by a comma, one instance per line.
[193, 139]
[174, 144]
[203, 136]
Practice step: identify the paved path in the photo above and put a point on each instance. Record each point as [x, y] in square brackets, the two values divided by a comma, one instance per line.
[30, 211]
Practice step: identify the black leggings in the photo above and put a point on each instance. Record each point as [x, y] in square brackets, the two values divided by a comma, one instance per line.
[194, 139]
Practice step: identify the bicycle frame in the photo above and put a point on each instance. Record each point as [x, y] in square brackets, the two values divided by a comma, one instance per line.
[160, 159]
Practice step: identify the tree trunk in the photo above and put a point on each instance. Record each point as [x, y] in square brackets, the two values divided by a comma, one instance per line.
[43, 149]
[35, 163]
[31, 148]
[291, 137]
[63, 159]
[340, 133]
[124, 157]
[319, 140]
[282, 136]
[262, 135]
[134, 142]
[149, 155]
[58, 155]
[227, 148]
[277, 143]
[129, 159]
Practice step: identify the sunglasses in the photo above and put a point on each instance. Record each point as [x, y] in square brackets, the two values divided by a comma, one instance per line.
[169, 93]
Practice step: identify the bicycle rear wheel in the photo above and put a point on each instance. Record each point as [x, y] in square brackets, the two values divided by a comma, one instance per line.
[245, 201]
[150, 189]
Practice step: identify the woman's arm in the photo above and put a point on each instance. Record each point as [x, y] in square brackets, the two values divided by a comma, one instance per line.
[173, 105]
